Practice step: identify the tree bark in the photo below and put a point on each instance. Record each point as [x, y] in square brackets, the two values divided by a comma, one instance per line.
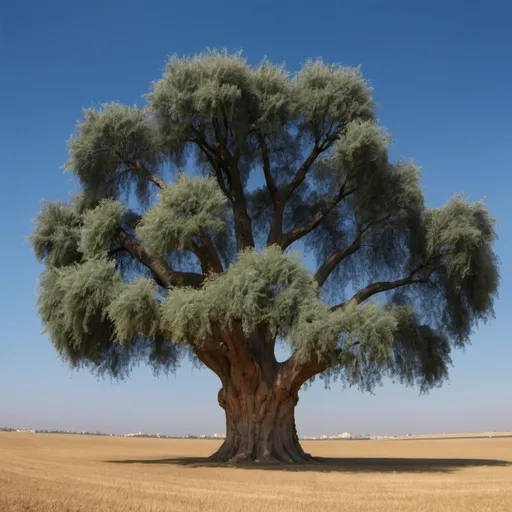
[260, 426]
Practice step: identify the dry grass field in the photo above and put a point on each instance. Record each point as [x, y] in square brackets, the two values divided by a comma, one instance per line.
[54, 473]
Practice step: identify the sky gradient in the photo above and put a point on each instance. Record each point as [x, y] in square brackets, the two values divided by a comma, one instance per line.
[442, 78]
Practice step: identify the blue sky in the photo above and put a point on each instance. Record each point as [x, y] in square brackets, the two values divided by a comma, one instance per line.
[442, 78]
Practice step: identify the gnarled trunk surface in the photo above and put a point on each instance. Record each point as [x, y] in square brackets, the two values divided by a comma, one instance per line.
[258, 395]
[260, 427]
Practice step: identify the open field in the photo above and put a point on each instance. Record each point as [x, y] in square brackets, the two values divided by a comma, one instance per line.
[50, 473]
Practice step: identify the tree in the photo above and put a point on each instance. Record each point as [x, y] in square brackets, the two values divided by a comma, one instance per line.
[149, 263]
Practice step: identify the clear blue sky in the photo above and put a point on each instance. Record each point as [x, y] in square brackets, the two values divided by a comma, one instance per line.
[443, 79]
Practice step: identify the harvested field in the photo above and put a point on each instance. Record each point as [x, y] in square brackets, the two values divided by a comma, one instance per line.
[53, 473]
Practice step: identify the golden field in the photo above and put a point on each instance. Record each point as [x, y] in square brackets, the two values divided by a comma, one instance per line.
[53, 473]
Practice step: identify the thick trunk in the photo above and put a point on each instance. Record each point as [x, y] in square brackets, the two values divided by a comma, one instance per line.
[260, 427]
[258, 396]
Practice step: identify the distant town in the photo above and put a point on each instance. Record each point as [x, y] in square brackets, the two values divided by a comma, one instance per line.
[343, 436]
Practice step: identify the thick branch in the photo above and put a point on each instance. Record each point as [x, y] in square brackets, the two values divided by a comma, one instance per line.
[213, 255]
[242, 221]
[335, 259]
[269, 180]
[164, 275]
[296, 370]
[299, 177]
[221, 160]
[275, 233]
[208, 256]
[238, 351]
[300, 231]
[212, 355]
[301, 366]
[426, 269]
[384, 286]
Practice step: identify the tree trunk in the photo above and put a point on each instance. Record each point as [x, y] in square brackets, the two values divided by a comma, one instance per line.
[260, 427]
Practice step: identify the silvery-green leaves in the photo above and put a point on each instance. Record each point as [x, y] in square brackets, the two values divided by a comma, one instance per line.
[99, 227]
[163, 184]
[186, 209]
[111, 151]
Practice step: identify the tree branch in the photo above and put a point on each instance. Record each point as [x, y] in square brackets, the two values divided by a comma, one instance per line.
[242, 221]
[137, 166]
[213, 255]
[275, 233]
[300, 231]
[337, 257]
[238, 351]
[207, 255]
[212, 355]
[318, 149]
[296, 370]
[300, 367]
[384, 286]
[299, 177]
[287, 191]
[210, 155]
[164, 275]
[271, 185]
[221, 159]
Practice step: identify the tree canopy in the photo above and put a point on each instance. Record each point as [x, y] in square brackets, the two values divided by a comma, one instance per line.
[194, 209]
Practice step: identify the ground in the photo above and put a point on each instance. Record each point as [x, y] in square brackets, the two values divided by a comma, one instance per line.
[54, 473]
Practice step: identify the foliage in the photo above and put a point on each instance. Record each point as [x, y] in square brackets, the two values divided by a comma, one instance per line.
[56, 236]
[107, 144]
[96, 320]
[72, 306]
[186, 210]
[99, 226]
[286, 161]
[266, 288]
[135, 311]
[392, 342]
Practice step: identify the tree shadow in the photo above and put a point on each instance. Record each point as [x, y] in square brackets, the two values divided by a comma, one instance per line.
[342, 465]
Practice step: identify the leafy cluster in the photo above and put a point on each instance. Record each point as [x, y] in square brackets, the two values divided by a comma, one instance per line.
[458, 243]
[135, 311]
[113, 151]
[185, 211]
[94, 319]
[72, 302]
[99, 226]
[275, 161]
[262, 288]
[56, 236]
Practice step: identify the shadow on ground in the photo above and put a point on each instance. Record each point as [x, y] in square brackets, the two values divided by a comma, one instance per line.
[328, 464]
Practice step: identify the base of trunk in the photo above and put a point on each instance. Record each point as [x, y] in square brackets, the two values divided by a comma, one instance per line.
[262, 435]
[297, 456]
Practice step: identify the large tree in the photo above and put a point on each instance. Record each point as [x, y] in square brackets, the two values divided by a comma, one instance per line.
[185, 233]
